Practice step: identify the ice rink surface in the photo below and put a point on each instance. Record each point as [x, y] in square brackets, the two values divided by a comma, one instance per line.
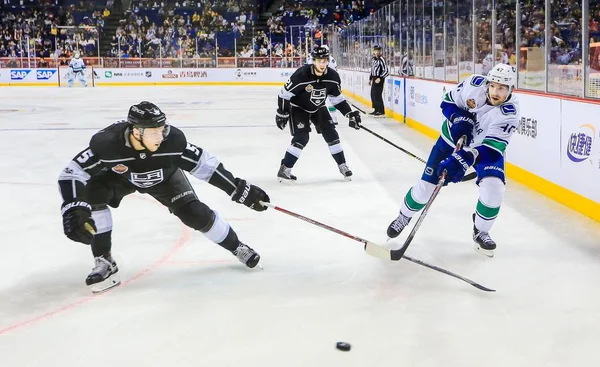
[185, 301]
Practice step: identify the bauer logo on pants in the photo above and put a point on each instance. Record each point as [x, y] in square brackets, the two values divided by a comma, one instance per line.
[147, 179]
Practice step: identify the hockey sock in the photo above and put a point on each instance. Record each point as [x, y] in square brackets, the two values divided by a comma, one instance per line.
[416, 198]
[101, 244]
[102, 240]
[332, 138]
[335, 148]
[292, 154]
[231, 241]
[491, 194]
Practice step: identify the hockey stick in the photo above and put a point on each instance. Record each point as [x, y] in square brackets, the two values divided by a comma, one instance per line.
[396, 255]
[392, 144]
[468, 177]
[358, 108]
[374, 245]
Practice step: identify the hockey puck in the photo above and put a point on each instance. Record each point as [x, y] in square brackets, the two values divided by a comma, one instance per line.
[343, 346]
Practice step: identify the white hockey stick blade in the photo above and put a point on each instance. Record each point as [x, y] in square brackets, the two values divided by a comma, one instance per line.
[376, 250]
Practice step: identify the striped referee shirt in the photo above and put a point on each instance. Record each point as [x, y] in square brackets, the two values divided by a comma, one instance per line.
[379, 68]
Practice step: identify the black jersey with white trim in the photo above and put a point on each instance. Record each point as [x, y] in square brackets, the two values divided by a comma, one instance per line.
[111, 153]
[308, 91]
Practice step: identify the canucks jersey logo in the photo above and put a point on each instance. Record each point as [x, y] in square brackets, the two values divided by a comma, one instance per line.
[147, 179]
[317, 96]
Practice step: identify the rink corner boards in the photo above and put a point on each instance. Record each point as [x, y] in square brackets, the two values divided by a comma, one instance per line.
[573, 200]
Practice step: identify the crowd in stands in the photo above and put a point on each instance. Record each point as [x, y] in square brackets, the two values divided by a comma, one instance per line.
[32, 29]
[565, 31]
[182, 28]
[204, 28]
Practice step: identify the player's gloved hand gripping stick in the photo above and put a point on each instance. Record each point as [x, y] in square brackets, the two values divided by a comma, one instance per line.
[468, 177]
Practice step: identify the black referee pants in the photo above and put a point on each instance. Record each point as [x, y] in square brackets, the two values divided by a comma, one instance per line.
[377, 95]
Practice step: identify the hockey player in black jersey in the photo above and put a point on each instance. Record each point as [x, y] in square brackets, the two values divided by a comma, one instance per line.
[302, 102]
[147, 155]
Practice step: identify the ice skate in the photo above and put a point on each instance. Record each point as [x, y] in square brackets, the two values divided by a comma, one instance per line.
[246, 255]
[285, 175]
[397, 225]
[483, 242]
[104, 275]
[345, 171]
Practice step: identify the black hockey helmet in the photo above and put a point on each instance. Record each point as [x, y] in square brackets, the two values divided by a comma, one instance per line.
[376, 48]
[320, 52]
[146, 115]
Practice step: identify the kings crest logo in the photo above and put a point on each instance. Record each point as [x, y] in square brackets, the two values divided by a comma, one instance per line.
[147, 179]
[317, 96]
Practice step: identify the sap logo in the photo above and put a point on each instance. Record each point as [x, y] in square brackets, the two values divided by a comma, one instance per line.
[19, 74]
[44, 74]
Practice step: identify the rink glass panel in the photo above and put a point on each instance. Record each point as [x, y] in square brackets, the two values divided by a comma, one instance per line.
[554, 45]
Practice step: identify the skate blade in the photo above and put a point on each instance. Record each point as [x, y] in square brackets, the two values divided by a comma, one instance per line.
[285, 181]
[488, 253]
[348, 178]
[110, 282]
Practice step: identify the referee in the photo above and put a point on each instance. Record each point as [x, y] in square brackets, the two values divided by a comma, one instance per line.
[379, 71]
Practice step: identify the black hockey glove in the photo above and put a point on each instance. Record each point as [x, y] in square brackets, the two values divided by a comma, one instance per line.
[281, 119]
[78, 223]
[354, 119]
[249, 195]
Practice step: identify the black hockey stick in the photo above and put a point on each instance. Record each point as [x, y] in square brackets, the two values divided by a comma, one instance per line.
[396, 255]
[392, 144]
[359, 109]
[468, 177]
[372, 244]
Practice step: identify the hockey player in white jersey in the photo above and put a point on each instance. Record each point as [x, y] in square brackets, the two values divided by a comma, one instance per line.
[77, 70]
[485, 111]
[332, 64]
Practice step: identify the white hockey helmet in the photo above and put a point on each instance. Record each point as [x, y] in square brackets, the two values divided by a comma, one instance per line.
[325, 47]
[503, 74]
[77, 55]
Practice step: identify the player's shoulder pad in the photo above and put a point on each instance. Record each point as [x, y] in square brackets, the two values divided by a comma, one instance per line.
[333, 74]
[300, 74]
[303, 70]
[107, 137]
[476, 80]
[177, 136]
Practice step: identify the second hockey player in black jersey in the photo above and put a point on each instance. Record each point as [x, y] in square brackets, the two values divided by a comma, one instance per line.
[302, 102]
[147, 155]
